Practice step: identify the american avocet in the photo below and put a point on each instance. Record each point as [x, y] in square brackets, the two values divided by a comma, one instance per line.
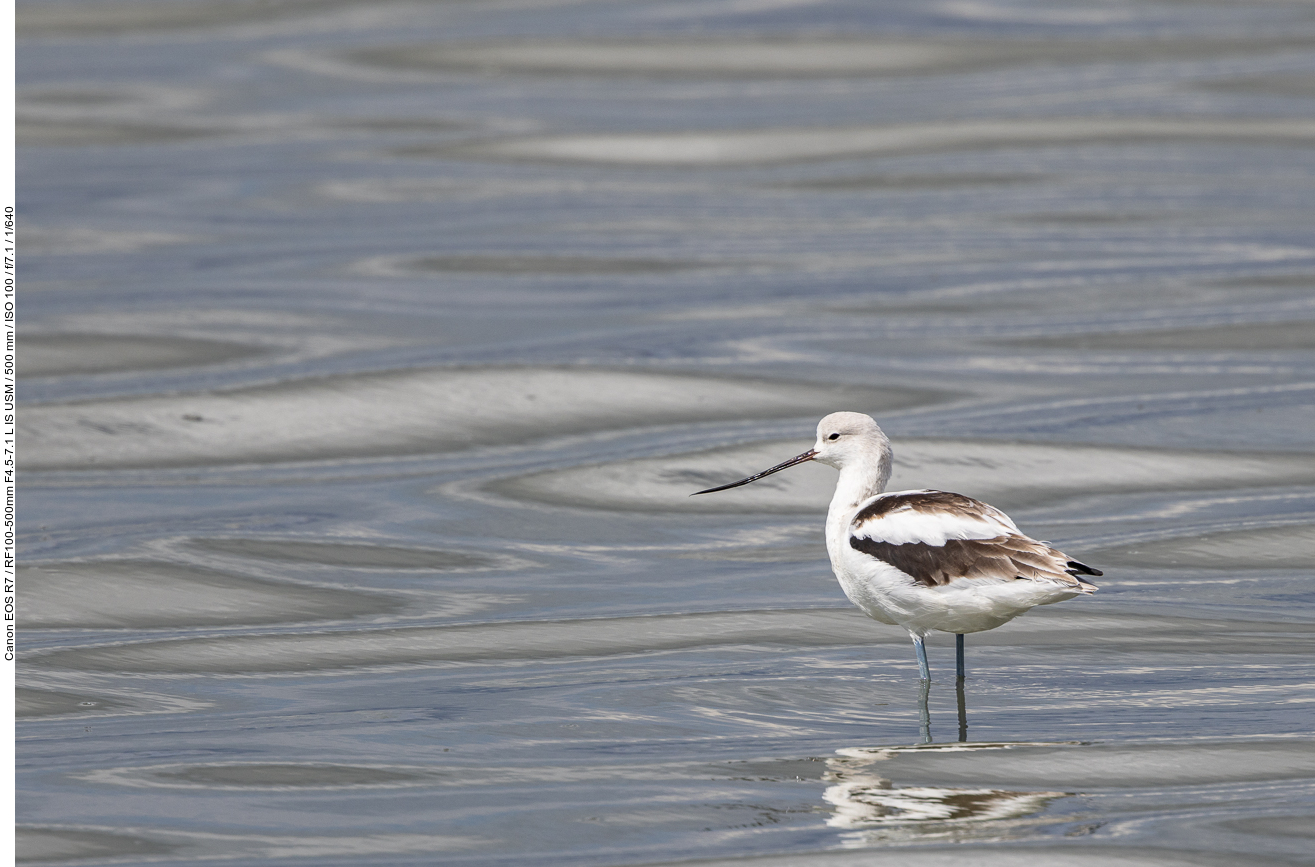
[926, 560]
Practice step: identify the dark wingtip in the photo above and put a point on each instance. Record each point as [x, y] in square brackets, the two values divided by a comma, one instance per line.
[1076, 568]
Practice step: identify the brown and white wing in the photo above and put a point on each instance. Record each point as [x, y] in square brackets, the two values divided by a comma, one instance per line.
[936, 538]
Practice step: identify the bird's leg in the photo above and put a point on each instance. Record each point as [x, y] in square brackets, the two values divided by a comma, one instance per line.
[958, 656]
[921, 649]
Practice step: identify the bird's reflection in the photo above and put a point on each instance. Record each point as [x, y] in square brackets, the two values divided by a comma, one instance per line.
[963, 710]
[924, 712]
[874, 807]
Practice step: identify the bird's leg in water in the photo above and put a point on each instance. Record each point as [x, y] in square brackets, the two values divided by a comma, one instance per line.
[924, 713]
[958, 656]
[921, 650]
[963, 710]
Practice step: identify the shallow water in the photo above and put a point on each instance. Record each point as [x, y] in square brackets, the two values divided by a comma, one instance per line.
[371, 351]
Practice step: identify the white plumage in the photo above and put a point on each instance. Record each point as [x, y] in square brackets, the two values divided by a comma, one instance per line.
[926, 560]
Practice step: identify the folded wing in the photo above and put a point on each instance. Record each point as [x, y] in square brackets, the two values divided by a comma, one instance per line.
[936, 538]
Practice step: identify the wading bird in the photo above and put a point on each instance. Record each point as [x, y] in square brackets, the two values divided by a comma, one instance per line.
[926, 560]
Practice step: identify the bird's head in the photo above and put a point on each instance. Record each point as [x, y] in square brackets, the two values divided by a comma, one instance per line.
[843, 438]
[848, 438]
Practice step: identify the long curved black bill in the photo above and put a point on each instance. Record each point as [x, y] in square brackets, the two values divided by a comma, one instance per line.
[797, 459]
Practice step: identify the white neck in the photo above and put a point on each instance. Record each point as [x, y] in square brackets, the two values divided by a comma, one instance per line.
[858, 481]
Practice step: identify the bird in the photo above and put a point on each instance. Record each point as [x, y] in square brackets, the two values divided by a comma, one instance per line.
[926, 560]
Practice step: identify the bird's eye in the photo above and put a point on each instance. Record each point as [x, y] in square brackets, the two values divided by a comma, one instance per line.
[834, 436]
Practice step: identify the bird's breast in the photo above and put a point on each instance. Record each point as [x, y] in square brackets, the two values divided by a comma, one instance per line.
[889, 595]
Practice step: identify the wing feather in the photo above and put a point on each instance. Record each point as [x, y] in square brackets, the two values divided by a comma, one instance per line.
[936, 537]
[929, 516]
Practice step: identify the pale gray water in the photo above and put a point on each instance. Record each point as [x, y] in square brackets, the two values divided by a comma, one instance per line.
[371, 349]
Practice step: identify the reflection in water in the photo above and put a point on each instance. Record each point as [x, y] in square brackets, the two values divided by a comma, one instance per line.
[924, 712]
[876, 809]
[963, 709]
